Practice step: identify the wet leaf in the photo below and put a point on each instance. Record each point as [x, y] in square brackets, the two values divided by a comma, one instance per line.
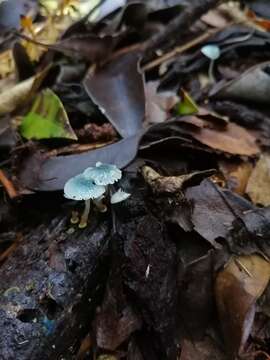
[260, 7]
[13, 97]
[24, 66]
[10, 12]
[253, 85]
[118, 90]
[214, 210]
[232, 138]
[47, 119]
[52, 174]
[238, 287]
[259, 182]
[250, 233]
[8, 136]
[20, 93]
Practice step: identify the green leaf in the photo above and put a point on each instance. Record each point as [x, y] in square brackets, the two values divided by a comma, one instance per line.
[187, 105]
[47, 119]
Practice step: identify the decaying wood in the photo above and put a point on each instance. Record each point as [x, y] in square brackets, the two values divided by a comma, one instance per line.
[51, 284]
[49, 287]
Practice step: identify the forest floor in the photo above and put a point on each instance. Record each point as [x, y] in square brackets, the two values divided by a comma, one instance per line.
[157, 114]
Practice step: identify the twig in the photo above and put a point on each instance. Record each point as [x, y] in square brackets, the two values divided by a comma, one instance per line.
[8, 185]
[178, 50]
[178, 26]
[33, 41]
[243, 267]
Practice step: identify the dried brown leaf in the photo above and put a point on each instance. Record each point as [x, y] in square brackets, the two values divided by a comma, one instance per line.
[214, 210]
[238, 287]
[236, 174]
[233, 140]
[259, 182]
[171, 184]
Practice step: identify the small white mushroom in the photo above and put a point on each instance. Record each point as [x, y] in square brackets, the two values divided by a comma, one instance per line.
[119, 196]
[212, 52]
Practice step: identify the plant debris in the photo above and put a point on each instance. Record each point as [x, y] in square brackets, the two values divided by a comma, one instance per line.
[155, 113]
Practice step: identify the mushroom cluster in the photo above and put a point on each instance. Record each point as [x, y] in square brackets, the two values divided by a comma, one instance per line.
[93, 185]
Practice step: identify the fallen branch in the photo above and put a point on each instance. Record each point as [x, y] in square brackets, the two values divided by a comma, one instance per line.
[8, 185]
[177, 51]
[178, 26]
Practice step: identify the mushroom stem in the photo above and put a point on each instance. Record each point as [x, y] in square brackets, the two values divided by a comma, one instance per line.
[211, 72]
[100, 206]
[84, 217]
[74, 217]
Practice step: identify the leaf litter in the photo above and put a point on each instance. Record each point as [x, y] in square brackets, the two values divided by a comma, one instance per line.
[187, 274]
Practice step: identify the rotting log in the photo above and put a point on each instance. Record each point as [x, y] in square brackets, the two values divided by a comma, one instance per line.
[48, 288]
[53, 282]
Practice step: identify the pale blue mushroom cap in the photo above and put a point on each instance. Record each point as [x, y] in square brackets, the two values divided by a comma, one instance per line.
[211, 51]
[103, 174]
[80, 188]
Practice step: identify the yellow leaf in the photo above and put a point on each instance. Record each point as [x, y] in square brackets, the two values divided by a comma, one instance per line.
[27, 23]
[6, 63]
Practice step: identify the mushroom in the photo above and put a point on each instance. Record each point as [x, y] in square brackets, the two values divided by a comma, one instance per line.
[81, 188]
[212, 52]
[102, 175]
[74, 217]
[119, 196]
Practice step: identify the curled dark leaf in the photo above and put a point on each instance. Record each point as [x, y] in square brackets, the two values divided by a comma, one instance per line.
[118, 90]
[51, 174]
[214, 210]
[253, 85]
